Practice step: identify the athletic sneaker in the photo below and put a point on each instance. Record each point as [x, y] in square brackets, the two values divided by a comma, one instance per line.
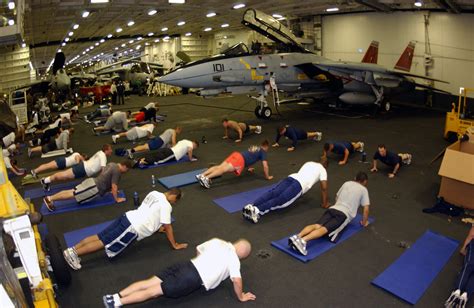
[462, 300]
[246, 211]
[299, 244]
[114, 138]
[318, 136]
[206, 182]
[129, 153]
[46, 186]
[258, 130]
[254, 214]
[290, 241]
[361, 148]
[450, 302]
[199, 178]
[108, 301]
[72, 259]
[33, 173]
[408, 160]
[49, 204]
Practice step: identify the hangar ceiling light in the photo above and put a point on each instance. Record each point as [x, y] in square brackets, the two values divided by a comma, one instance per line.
[332, 9]
[11, 5]
[118, 30]
[181, 23]
[164, 29]
[224, 25]
[130, 23]
[211, 14]
[238, 6]
[152, 12]
[99, 1]
[176, 1]
[207, 29]
[277, 15]
[75, 26]
[70, 33]
[85, 14]
[188, 34]
[11, 22]
[102, 40]
[151, 34]
[418, 3]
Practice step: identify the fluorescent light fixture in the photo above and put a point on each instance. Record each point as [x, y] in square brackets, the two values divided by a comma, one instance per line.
[63, 44]
[11, 22]
[130, 23]
[238, 6]
[225, 36]
[207, 29]
[277, 15]
[118, 30]
[176, 1]
[101, 53]
[87, 49]
[125, 52]
[157, 40]
[152, 12]
[123, 45]
[211, 14]
[59, 50]
[188, 34]
[116, 48]
[131, 41]
[11, 5]
[85, 14]
[139, 38]
[92, 47]
[138, 47]
[75, 26]
[97, 44]
[151, 34]
[166, 38]
[102, 40]
[147, 44]
[224, 25]
[332, 9]
[181, 23]
[70, 33]
[164, 29]
[83, 52]
[109, 35]
[99, 1]
[131, 50]
[418, 3]
[66, 39]
[23, 45]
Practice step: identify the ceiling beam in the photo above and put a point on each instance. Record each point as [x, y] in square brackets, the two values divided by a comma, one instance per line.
[448, 5]
[375, 5]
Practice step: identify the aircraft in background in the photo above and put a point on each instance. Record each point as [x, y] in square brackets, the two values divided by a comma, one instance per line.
[294, 70]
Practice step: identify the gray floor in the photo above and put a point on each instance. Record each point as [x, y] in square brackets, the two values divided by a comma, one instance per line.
[340, 277]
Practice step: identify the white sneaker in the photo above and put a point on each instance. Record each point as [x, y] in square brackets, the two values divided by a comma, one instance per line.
[206, 182]
[299, 244]
[33, 173]
[246, 211]
[258, 130]
[72, 259]
[408, 160]
[129, 153]
[318, 136]
[361, 148]
[462, 300]
[114, 138]
[452, 298]
[254, 214]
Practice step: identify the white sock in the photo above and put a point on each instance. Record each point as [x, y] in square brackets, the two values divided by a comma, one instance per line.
[117, 301]
[47, 180]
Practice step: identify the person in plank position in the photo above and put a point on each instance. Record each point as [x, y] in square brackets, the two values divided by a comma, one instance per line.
[136, 132]
[237, 162]
[59, 163]
[343, 148]
[61, 142]
[390, 159]
[165, 140]
[288, 191]
[215, 261]
[163, 155]
[350, 196]
[117, 122]
[89, 168]
[295, 134]
[153, 213]
[240, 128]
[92, 188]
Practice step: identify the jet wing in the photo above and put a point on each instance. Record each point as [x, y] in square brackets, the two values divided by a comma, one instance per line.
[417, 76]
[272, 28]
[119, 63]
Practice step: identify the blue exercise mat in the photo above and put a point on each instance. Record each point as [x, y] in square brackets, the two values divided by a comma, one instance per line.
[71, 204]
[39, 192]
[319, 246]
[181, 179]
[413, 272]
[171, 162]
[74, 237]
[235, 203]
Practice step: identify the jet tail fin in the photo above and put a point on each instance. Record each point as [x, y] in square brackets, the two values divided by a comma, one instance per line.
[372, 53]
[404, 63]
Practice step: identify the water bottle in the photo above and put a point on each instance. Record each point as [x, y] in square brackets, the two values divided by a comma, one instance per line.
[153, 182]
[364, 157]
[136, 199]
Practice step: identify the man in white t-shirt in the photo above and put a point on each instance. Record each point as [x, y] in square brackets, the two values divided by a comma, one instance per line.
[350, 196]
[154, 212]
[287, 191]
[136, 132]
[88, 168]
[59, 163]
[216, 260]
[165, 140]
[163, 155]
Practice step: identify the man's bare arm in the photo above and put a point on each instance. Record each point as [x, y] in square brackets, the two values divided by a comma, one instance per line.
[170, 235]
[238, 289]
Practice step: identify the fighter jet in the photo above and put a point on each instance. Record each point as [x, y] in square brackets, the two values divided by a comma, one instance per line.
[294, 70]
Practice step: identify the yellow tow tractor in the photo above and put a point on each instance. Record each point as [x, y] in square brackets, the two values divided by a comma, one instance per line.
[30, 269]
[459, 118]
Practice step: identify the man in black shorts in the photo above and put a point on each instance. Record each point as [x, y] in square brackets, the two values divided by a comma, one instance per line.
[61, 142]
[216, 261]
[350, 196]
[391, 159]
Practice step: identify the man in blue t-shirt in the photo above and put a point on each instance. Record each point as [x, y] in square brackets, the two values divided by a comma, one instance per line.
[237, 162]
[344, 148]
[390, 159]
[295, 134]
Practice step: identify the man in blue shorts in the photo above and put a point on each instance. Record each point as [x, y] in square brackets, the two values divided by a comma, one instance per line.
[390, 159]
[154, 212]
[59, 163]
[343, 148]
[295, 134]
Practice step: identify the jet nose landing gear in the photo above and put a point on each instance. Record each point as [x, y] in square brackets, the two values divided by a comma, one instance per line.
[263, 112]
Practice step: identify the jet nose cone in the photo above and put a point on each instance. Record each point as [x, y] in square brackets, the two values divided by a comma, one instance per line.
[173, 78]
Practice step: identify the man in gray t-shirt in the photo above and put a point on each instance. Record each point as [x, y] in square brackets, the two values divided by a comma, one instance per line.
[117, 122]
[350, 196]
[91, 188]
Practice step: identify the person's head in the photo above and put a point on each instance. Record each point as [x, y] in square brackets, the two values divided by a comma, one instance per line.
[107, 149]
[195, 144]
[225, 122]
[328, 147]
[281, 130]
[265, 145]
[35, 218]
[125, 165]
[362, 178]
[129, 113]
[178, 129]
[173, 195]
[242, 248]
[382, 150]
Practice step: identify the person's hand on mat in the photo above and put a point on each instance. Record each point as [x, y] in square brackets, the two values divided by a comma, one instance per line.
[238, 140]
[275, 145]
[374, 170]
[364, 224]
[247, 297]
[391, 175]
[180, 246]
[290, 149]
[224, 137]
[342, 162]
[251, 169]
[120, 200]
[270, 177]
